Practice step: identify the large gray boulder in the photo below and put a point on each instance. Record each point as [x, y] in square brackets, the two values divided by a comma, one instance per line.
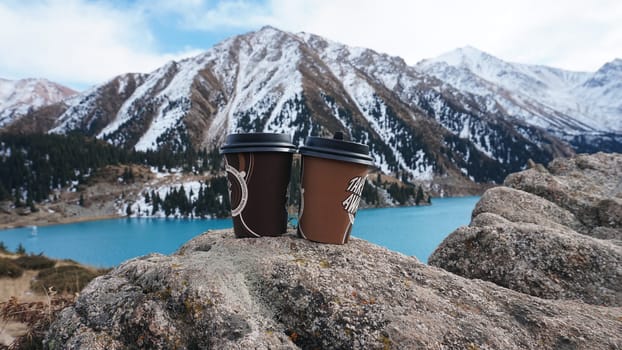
[545, 262]
[219, 292]
[589, 186]
[554, 233]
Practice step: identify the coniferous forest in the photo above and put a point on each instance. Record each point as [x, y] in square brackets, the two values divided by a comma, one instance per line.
[211, 200]
[33, 166]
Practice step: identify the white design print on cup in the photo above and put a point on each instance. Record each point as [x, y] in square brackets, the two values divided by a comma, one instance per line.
[351, 203]
[239, 176]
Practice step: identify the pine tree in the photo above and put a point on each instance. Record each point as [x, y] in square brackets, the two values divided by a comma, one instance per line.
[198, 204]
[419, 197]
[167, 202]
[155, 208]
[370, 194]
[4, 194]
[31, 204]
[167, 208]
[18, 201]
[20, 250]
[128, 174]
[182, 201]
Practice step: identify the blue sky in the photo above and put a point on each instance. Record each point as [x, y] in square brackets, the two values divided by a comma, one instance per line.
[84, 42]
[175, 31]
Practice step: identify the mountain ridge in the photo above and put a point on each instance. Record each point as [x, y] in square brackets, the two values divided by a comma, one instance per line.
[588, 101]
[19, 97]
[419, 126]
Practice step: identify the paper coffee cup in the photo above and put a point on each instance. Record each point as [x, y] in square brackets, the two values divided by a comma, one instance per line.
[333, 176]
[258, 169]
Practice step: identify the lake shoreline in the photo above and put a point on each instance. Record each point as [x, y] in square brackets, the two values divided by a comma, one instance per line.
[413, 231]
[41, 218]
[58, 221]
[39, 221]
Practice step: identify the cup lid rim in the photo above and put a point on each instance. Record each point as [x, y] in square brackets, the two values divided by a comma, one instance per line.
[336, 156]
[337, 149]
[258, 142]
[262, 137]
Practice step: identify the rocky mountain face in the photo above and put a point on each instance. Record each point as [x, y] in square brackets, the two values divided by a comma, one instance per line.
[21, 97]
[418, 127]
[582, 108]
[554, 233]
[219, 292]
[461, 118]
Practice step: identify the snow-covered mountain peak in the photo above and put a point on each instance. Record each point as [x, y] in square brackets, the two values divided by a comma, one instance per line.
[336, 51]
[510, 74]
[485, 65]
[467, 57]
[17, 97]
[552, 98]
[616, 65]
[609, 74]
[613, 68]
[31, 92]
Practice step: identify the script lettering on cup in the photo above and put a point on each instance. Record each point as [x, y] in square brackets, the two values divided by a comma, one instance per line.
[351, 203]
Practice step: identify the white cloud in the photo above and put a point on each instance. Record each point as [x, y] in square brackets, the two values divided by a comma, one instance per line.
[75, 42]
[573, 34]
[85, 42]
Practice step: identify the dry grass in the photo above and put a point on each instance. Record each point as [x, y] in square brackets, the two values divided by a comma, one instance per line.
[18, 287]
[34, 262]
[9, 330]
[9, 269]
[63, 279]
[30, 302]
[36, 316]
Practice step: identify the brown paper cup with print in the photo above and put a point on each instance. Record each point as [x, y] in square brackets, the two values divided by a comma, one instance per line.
[333, 176]
[258, 168]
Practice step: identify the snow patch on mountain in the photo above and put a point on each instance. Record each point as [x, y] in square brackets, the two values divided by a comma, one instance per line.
[132, 104]
[265, 82]
[79, 107]
[176, 106]
[375, 111]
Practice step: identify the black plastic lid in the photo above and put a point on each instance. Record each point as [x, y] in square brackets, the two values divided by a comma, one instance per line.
[337, 149]
[258, 142]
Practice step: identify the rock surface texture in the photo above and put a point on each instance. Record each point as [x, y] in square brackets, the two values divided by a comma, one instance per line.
[553, 233]
[219, 292]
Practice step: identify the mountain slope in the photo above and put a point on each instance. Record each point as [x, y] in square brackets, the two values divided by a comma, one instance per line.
[571, 105]
[417, 126]
[18, 97]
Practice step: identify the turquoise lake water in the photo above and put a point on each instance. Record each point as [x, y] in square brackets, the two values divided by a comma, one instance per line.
[410, 230]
